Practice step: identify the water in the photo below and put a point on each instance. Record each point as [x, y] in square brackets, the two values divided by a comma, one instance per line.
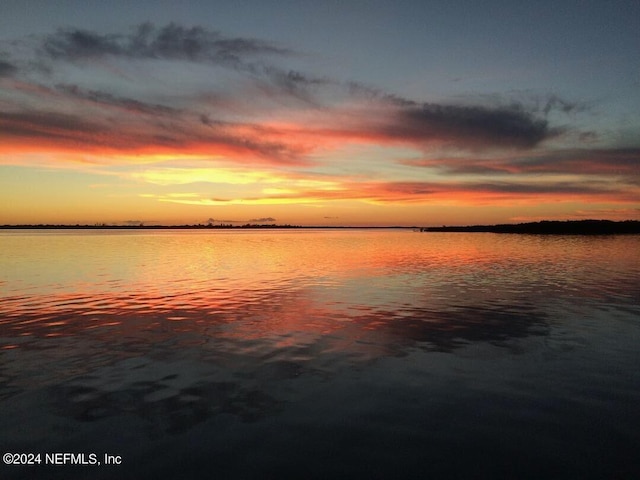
[320, 354]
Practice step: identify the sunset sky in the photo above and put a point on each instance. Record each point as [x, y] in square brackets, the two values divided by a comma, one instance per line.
[319, 112]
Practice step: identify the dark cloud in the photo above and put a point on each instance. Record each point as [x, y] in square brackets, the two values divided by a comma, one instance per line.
[82, 44]
[264, 219]
[554, 102]
[107, 99]
[473, 125]
[291, 83]
[173, 42]
[360, 90]
[278, 152]
[490, 123]
[48, 125]
[396, 120]
[195, 44]
[7, 69]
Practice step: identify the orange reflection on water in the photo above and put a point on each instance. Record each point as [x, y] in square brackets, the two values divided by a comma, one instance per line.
[364, 291]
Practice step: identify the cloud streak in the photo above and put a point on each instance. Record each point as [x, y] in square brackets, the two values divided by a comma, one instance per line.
[56, 127]
[129, 105]
[426, 193]
[615, 162]
[171, 42]
[103, 122]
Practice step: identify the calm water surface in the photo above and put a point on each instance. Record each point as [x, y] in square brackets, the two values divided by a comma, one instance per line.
[321, 354]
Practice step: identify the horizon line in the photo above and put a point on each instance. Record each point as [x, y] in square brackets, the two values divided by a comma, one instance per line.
[142, 226]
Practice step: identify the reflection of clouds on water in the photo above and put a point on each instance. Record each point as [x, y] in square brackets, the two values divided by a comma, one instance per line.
[174, 370]
[169, 397]
[294, 317]
[449, 329]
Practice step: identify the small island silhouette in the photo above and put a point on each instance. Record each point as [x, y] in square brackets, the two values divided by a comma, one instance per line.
[545, 227]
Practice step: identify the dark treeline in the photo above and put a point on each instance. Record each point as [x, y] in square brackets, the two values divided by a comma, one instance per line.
[548, 227]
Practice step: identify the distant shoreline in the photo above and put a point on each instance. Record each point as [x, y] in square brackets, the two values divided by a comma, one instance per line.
[545, 227]
[551, 227]
[198, 227]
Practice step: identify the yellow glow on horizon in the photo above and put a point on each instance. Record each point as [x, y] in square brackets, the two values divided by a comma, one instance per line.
[150, 158]
[190, 199]
[181, 176]
[67, 188]
[278, 191]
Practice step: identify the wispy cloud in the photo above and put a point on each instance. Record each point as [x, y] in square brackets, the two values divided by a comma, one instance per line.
[129, 125]
[619, 162]
[496, 192]
[130, 105]
[173, 42]
[55, 126]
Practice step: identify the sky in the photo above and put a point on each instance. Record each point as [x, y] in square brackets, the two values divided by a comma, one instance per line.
[413, 113]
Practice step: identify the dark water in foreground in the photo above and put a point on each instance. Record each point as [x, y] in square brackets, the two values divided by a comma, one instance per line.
[320, 354]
